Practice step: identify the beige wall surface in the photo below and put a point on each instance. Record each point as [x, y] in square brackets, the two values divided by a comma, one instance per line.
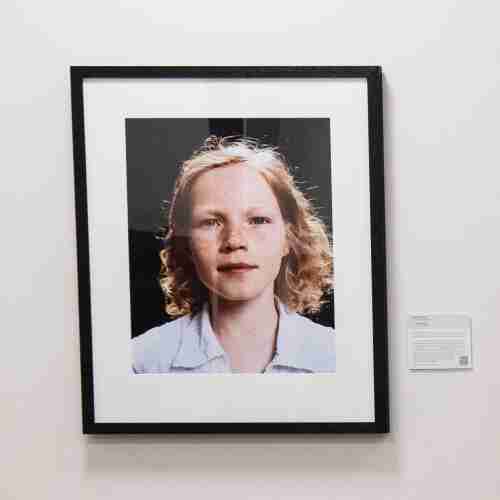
[442, 96]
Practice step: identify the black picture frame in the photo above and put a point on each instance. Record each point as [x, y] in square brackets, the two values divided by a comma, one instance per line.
[369, 76]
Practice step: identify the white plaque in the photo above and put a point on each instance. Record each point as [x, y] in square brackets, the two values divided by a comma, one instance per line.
[439, 342]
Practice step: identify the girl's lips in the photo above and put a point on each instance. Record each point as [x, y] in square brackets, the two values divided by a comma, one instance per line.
[236, 268]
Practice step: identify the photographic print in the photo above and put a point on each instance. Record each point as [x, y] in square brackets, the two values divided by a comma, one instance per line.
[231, 254]
[251, 253]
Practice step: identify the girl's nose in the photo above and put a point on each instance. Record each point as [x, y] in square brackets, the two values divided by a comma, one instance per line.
[235, 239]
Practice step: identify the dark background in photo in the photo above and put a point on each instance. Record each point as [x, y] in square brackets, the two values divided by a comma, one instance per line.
[155, 149]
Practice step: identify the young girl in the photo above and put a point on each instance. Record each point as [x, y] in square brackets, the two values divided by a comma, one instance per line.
[244, 254]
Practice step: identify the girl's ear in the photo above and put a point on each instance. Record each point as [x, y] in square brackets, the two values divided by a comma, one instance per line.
[286, 249]
[286, 246]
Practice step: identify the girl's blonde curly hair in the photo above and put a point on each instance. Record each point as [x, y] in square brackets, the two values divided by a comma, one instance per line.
[306, 273]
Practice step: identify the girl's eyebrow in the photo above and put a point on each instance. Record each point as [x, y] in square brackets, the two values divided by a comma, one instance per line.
[259, 207]
[206, 211]
[200, 211]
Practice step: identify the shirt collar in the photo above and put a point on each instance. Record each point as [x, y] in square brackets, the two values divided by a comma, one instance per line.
[298, 344]
[289, 345]
[295, 346]
[208, 340]
[199, 343]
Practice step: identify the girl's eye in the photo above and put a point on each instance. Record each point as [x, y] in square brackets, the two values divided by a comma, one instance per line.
[260, 220]
[210, 222]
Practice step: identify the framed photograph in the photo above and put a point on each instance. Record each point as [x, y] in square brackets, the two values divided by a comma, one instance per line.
[231, 249]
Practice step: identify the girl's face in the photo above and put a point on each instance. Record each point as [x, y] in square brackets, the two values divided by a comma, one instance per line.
[237, 233]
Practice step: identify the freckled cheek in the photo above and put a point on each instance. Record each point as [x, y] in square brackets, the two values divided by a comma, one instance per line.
[270, 242]
[203, 252]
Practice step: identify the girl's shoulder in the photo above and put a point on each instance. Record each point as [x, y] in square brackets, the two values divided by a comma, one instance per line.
[317, 335]
[300, 323]
[154, 350]
[310, 345]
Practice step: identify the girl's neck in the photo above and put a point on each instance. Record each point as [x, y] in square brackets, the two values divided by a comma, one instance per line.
[246, 319]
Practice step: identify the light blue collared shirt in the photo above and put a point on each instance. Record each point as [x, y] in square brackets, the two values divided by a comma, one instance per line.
[189, 345]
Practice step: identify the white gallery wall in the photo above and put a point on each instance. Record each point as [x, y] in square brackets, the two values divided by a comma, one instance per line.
[441, 64]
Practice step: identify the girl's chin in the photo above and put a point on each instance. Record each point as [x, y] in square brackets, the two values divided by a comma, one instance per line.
[238, 296]
[233, 298]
